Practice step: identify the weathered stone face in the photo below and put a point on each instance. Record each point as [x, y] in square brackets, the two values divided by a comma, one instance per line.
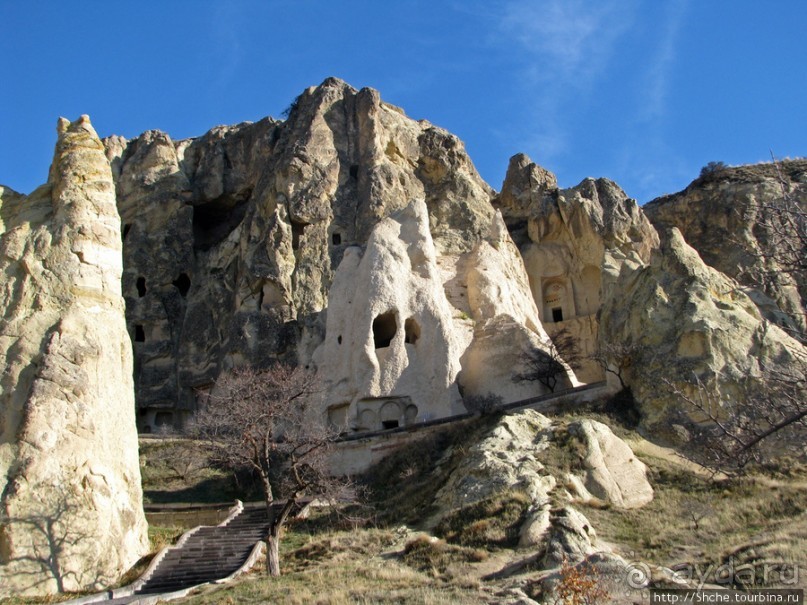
[71, 513]
[407, 326]
[574, 242]
[685, 321]
[232, 239]
[730, 217]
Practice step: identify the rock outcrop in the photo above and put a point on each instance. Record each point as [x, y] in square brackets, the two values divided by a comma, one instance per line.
[232, 240]
[685, 322]
[403, 336]
[740, 220]
[574, 242]
[71, 514]
[548, 461]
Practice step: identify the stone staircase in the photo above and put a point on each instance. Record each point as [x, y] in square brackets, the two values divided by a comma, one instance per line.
[208, 554]
[202, 555]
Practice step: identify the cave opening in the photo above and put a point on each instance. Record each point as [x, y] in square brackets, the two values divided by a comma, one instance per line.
[384, 328]
[140, 334]
[354, 171]
[183, 284]
[557, 314]
[411, 331]
[297, 231]
[141, 287]
[214, 221]
[336, 238]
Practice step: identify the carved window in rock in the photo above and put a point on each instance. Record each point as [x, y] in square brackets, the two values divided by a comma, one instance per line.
[557, 303]
[336, 239]
[164, 419]
[183, 284]
[140, 334]
[390, 415]
[384, 328]
[411, 331]
[140, 284]
[297, 231]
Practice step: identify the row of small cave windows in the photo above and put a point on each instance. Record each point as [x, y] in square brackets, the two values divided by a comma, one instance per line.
[181, 283]
[385, 326]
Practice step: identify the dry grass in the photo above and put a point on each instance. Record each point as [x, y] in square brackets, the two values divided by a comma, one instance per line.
[340, 568]
[491, 523]
[693, 520]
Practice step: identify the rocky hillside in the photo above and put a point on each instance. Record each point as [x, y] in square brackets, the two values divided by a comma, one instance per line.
[232, 243]
[733, 218]
[356, 240]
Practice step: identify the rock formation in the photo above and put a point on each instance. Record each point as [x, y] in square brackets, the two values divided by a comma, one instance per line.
[403, 336]
[598, 272]
[685, 323]
[71, 513]
[574, 242]
[551, 462]
[733, 217]
[232, 242]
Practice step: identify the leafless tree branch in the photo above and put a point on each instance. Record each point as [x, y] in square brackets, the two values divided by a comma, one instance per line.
[259, 419]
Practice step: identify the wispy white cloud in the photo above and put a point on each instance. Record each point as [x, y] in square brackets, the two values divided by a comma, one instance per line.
[566, 43]
[660, 67]
[562, 50]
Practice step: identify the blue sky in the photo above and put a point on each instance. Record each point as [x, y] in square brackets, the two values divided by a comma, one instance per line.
[644, 92]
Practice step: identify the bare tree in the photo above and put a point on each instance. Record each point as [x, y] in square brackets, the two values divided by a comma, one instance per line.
[770, 420]
[616, 357]
[546, 365]
[259, 419]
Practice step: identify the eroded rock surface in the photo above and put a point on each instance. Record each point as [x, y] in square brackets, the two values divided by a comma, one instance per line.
[408, 326]
[71, 514]
[733, 218]
[232, 239]
[527, 452]
[574, 242]
[687, 322]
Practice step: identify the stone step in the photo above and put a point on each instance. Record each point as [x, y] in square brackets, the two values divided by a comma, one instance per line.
[210, 553]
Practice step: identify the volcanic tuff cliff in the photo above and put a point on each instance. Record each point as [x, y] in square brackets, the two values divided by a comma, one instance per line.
[71, 514]
[357, 240]
[733, 217]
[233, 241]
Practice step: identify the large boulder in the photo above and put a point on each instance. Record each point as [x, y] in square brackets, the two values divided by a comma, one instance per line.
[71, 514]
[555, 464]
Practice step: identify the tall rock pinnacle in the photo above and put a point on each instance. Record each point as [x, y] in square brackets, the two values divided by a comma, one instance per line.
[71, 513]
